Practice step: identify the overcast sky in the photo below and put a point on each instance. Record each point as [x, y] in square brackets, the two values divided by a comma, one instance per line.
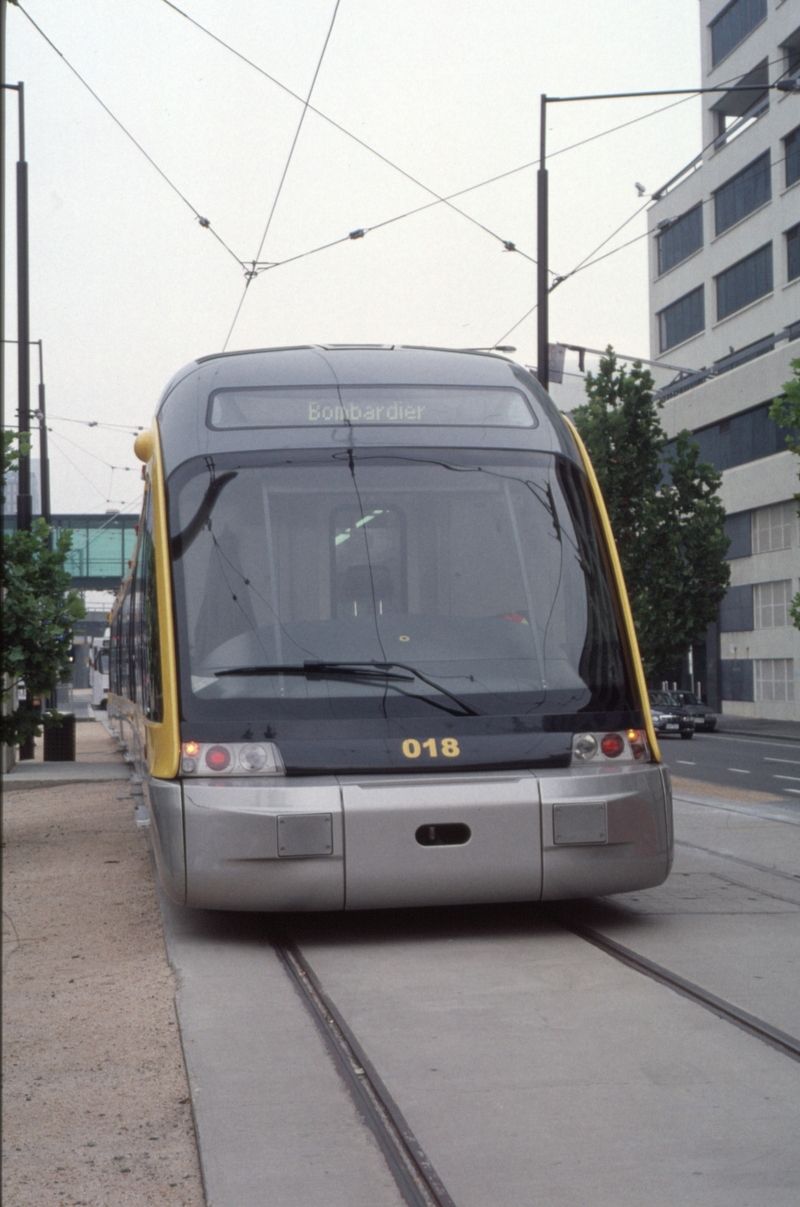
[127, 286]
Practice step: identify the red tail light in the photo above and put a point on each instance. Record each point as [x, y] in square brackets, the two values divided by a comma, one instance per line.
[218, 758]
[612, 745]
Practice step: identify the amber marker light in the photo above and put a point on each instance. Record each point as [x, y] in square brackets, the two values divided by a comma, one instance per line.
[192, 749]
[638, 742]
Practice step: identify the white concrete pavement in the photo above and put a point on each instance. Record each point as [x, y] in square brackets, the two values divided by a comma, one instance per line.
[532, 1067]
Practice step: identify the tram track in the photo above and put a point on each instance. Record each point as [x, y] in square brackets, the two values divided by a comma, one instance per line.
[748, 863]
[414, 1174]
[417, 1180]
[775, 1038]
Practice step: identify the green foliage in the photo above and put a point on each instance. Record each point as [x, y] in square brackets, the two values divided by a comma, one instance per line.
[39, 610]
[669, 534]
[786, 412]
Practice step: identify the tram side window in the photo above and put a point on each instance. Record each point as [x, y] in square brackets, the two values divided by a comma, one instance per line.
[149, 650]
[133, 673]
[124, 654]
[113, 673]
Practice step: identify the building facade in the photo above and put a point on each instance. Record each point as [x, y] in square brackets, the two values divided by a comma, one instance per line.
[725, 302]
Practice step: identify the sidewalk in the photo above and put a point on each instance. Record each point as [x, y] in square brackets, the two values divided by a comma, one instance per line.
[784, 731]
[97, 761]
[95, 1098]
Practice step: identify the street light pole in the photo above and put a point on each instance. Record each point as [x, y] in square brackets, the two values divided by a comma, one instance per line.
[543, 234]
[24, 509]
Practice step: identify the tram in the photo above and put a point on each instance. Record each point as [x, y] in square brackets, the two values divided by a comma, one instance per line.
[374, 648]
[99, 670]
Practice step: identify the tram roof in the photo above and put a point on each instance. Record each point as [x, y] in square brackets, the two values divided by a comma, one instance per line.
[183, 408]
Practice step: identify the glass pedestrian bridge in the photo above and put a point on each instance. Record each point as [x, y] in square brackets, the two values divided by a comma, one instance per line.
[101, 547]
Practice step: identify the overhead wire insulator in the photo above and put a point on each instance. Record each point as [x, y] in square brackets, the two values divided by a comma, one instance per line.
[359, 234]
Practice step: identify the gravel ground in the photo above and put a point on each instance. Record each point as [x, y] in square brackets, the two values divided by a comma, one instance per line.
[96, 1103]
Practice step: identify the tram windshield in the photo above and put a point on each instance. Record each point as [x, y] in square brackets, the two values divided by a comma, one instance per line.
[369, 582]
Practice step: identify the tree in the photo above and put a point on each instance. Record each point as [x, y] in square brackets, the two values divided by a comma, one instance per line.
[666, 515]
[786, 412]
[39, 610]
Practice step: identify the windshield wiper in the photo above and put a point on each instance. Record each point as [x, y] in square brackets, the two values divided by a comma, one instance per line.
[367, 672]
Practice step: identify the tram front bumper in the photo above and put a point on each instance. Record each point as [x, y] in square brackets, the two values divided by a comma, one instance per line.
[332, 843]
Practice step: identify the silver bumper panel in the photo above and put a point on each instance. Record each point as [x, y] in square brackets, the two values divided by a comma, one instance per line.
[368, 843]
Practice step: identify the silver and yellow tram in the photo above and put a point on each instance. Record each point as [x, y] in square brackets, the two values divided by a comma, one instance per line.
[375, 648]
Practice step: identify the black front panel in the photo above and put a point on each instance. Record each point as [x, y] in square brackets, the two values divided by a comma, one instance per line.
[404, 609]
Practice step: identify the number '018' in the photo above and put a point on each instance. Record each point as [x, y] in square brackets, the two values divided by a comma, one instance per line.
[412, 749]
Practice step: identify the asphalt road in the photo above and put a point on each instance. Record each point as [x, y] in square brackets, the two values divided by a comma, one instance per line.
[735, 761]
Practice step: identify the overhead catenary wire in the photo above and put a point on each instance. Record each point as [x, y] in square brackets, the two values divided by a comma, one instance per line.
[78, 470]
[204, 222]
[249, 277]
[508, 244]
[590, 259]
[447, 200]
[122, 427]
[88, 453]
[362, 231]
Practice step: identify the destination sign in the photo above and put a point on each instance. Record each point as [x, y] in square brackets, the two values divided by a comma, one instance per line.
[344, 406]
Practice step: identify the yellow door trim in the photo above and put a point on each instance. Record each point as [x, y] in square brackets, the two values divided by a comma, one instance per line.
[622, 592]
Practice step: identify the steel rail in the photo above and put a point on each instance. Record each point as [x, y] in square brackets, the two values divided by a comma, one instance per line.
[794, 877]
[417, 1180]
[787, 1044]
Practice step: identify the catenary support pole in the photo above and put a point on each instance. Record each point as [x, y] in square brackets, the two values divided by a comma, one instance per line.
[543, 335]
[24, 510]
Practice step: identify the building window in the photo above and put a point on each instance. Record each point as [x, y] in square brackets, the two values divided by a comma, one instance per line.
[743, 104]
[774, 679]
[791, 55]
[744, 282]
[736, 678]
[680, 320]
[733, 25]
[772, 527]
[680, 238]
[793, 253]
[739, 530]
[791, 150]
[771, 602]
[743, 193]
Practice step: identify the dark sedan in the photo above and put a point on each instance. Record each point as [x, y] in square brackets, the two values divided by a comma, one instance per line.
[704, 717]
[669, 718]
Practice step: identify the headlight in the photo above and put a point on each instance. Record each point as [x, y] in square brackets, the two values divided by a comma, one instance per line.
[231, 758]
[610, 747]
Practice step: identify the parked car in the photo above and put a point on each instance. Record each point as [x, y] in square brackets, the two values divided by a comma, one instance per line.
[704, 717]
[669, 718]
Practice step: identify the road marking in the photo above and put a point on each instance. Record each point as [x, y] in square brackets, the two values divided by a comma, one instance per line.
[794, 762]
[738, 770]
[686, 762]
[794, 778]
[796, 791]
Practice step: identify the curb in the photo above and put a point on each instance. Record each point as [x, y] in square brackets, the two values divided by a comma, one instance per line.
[24, 782]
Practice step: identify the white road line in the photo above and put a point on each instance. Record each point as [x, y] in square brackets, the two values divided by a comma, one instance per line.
[686, 762]
[796, 791]
[794, 778]
[795, 762]
[738, 770]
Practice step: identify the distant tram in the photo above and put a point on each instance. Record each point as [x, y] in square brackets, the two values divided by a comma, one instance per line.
[99, 654]
[375, 648]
